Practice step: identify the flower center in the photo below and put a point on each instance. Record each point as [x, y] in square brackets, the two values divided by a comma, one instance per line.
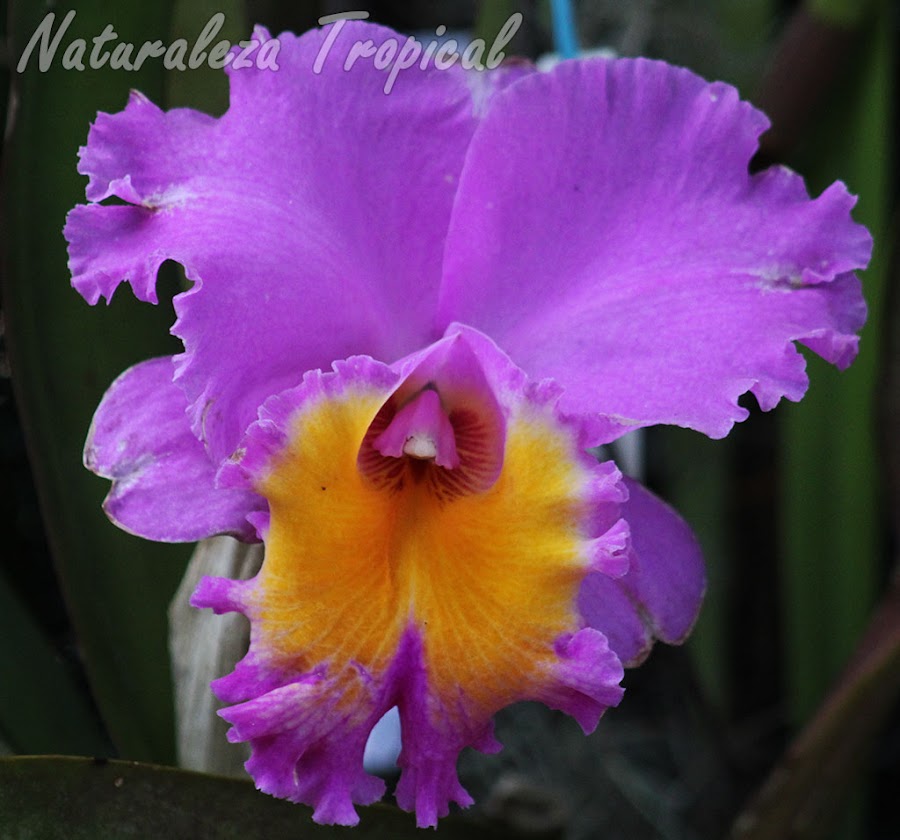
[421, 429]
[452, 450]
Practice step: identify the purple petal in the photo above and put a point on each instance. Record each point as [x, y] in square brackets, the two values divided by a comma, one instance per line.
[299, 721]
[163, 481]
[607, 234]
[311, 218]
[589, 673]
[607, 605]
[660, 595]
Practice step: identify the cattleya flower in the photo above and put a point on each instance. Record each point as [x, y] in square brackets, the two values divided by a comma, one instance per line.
[411, 315]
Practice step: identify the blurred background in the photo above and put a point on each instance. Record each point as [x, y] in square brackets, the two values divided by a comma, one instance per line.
[793, 673]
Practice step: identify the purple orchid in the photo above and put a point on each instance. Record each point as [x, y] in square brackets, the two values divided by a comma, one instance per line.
[496, 272]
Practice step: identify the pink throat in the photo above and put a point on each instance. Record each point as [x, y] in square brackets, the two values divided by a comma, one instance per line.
[421, 429]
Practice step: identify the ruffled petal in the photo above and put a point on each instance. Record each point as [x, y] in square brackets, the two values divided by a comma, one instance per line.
[660, 594]
[163, 481]
[607, 234]
[310, 217]
[378, 593]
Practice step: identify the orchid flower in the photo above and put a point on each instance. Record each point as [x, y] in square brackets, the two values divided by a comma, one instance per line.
[411, 316]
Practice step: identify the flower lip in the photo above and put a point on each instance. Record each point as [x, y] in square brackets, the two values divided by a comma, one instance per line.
[446, 600]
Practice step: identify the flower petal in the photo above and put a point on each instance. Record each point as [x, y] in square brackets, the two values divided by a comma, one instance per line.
[374, 595]
[311, 217]
[607, 234]
[163, 480]
[660, 595]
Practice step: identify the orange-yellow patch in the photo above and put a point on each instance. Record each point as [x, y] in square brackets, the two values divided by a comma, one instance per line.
[489, 579]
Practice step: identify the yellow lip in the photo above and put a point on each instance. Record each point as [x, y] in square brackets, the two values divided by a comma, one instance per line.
[489, 579]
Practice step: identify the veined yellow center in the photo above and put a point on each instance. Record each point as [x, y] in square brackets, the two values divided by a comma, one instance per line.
[489, 579]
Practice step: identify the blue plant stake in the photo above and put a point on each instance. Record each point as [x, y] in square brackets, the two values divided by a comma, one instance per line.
[565, 34]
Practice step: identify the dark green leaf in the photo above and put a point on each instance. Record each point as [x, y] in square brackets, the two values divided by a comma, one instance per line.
[806, 791]
[46, 712]
[82, 799]
[64, 354]
[832, 501]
